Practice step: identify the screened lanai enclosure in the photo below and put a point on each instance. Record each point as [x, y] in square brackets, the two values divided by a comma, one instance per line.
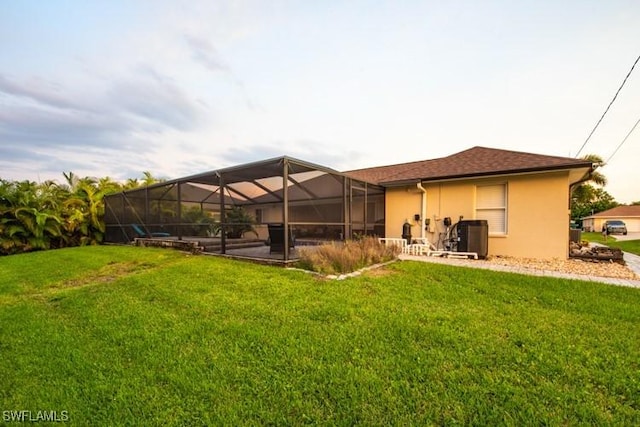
[263, 210]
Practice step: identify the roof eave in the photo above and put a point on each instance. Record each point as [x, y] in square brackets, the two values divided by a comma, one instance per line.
[403, 182]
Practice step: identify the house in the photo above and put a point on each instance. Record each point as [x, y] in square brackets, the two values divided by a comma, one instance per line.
[629, 214]
[523, 196]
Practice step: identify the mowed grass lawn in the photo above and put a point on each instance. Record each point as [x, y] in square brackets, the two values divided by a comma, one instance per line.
[125, 336]
[631, 246]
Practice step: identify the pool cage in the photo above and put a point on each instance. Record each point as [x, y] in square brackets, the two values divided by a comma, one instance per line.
[263, 210]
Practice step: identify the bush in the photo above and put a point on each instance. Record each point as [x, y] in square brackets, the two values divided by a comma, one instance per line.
[339, 258]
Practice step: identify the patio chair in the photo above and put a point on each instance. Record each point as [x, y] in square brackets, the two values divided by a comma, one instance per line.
[276, 238]
[141, 233]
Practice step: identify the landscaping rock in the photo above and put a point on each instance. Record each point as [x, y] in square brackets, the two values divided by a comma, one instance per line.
[589, 267]
[596, 253]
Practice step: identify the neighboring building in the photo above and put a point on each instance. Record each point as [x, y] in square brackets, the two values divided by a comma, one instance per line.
[629, 214]
[524, 197]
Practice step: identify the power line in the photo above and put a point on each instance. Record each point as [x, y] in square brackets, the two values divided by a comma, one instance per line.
[623, 141]
[609, 106]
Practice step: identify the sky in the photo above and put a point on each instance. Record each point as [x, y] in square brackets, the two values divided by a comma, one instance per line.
[115, 88]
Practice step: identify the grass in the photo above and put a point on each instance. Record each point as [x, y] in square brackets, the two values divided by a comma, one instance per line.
[631, 246]
[122, 336]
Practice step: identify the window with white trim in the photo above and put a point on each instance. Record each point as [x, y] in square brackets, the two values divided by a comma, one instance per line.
[491, 204]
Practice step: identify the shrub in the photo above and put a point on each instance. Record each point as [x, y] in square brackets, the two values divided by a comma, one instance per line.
[239, 221]
[339, 258]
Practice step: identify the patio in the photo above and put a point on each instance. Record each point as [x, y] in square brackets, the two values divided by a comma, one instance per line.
[250, 249]
[228, 211]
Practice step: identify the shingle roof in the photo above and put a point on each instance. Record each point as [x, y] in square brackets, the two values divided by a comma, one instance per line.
[476, 161]
[619, 211]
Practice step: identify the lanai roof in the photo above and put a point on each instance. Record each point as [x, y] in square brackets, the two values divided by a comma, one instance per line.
[474, 162]
[253, 183]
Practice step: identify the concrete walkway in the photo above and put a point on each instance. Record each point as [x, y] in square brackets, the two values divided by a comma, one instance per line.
[633, 262]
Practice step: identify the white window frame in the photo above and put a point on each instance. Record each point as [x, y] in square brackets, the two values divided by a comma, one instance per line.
[502, 207]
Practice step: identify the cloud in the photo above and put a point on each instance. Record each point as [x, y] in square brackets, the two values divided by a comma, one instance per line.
[158, 102]
[203, 52]
[46, 128]
[39, 90]
[307, 150]
[36, 127]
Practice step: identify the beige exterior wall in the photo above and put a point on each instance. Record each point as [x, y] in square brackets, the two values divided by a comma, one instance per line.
[590, 225]
[633, 224]
[401, 204]
[537, 212]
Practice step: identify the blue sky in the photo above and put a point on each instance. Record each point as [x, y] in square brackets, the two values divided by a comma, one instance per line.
[175, 88]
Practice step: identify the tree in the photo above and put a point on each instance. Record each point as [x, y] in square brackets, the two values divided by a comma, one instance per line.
[593, 200]
[589, 197]
[45, 215]
[596, 177]
[149, 179]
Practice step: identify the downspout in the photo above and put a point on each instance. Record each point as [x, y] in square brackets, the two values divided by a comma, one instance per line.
[423, 208]
[572, 186]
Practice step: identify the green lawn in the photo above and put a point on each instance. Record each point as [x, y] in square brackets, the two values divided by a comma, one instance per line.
[631, 246]
[122, 336]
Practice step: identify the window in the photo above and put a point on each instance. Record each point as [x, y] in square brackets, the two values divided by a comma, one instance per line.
[491, 204]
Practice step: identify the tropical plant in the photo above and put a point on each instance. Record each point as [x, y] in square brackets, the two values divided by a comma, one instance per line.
[40, 229]
[201, 223]
[238, 221]
[45, 215]
[589, 197]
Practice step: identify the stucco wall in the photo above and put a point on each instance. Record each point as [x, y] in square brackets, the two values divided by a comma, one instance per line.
[537, 212]
[633, 224]
[401, 204]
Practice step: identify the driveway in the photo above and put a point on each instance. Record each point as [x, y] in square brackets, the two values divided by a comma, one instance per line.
[630, 236]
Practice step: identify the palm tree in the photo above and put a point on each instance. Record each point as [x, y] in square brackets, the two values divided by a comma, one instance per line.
[108, 185]
[83, 213]
[149, 179]
[131, 183]
[584, 195]
[596, 177]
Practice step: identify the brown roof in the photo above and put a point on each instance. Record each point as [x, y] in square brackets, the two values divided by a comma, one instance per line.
[619, 211]
[476, 161]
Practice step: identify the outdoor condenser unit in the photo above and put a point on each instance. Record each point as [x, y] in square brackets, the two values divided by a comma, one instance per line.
[473, 236]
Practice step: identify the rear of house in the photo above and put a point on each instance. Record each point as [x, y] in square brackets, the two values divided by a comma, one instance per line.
[524, 197]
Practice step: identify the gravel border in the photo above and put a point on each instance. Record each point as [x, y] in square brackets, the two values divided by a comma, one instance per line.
[609, 273]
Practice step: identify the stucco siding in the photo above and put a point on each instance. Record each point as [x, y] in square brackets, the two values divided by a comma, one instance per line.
[401, 204]
[538, 217]
[537, 212]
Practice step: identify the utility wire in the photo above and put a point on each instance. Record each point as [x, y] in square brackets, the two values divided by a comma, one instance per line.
[609, 106]
[623, 141]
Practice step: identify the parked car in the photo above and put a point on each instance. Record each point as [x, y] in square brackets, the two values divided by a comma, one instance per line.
[614, 227]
